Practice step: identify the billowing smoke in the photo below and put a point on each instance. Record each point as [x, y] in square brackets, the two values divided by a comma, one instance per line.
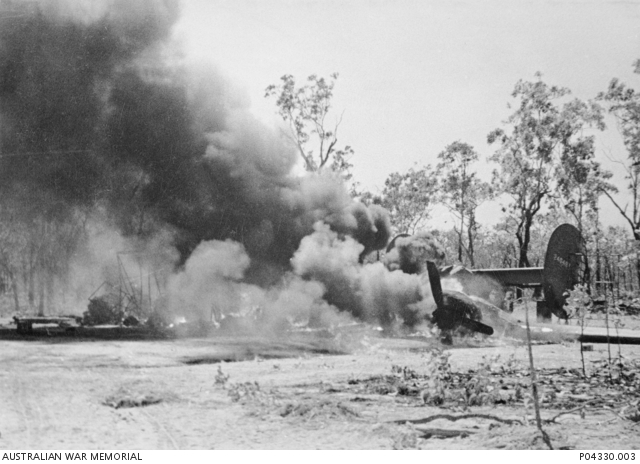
[411, 253]
[271, 211]
[104, 128]
[61, 68]
[326, 280]
[211, 288]
[371, 292]
[94, 111]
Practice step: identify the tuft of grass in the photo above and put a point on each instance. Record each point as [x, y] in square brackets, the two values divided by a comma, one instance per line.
[136, 396]
[438, 375]
[221, 378]
[405, 437]
[321, 408]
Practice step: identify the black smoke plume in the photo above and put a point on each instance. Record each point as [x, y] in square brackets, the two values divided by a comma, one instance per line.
[94, 112]
[99, 115]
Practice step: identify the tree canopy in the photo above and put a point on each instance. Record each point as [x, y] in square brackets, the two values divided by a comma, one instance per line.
[540, 132]
[409, 198]
[306, 109]
[462, 192]
[624, 104]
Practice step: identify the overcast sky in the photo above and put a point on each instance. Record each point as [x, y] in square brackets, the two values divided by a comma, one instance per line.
[416, 75]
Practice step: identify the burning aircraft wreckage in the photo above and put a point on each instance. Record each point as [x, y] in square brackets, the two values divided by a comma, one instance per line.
[328, 280]
[110, 142]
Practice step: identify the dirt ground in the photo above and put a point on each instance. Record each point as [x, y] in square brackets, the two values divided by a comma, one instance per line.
[308, 390]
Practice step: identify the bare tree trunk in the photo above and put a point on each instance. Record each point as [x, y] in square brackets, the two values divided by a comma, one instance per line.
[523, 235]
[41, 294]
[31, 287]
[470, 250]
[4, 282]
[610, 276]
[24, 274]
[598, 273]
[524, 239]
[14, 288]
[586, 278]
[49, 289]
[631, 273]
[638, 271]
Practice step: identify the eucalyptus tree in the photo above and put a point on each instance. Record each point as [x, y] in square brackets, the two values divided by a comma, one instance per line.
[409, 198]
[624, 104]
[306, 108]
[581, 182]
[539, 132]
[461, 191]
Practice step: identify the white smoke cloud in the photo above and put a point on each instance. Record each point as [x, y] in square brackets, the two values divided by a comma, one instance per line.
[210, 282]
[327, 285]
[370, 292]
[211, 289]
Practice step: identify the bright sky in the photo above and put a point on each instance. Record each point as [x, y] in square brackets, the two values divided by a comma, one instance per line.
[416, 75]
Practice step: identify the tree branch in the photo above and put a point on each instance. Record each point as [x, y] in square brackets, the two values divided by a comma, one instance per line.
[624, 214]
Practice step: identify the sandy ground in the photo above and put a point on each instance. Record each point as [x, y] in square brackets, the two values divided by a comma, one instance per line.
[303, 391]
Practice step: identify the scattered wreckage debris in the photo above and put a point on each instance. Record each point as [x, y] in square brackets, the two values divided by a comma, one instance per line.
[457, 312]
[479, 305]
[630, 306]
[103, 311]
[560, 273]
[454, 310]
[25, 324]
